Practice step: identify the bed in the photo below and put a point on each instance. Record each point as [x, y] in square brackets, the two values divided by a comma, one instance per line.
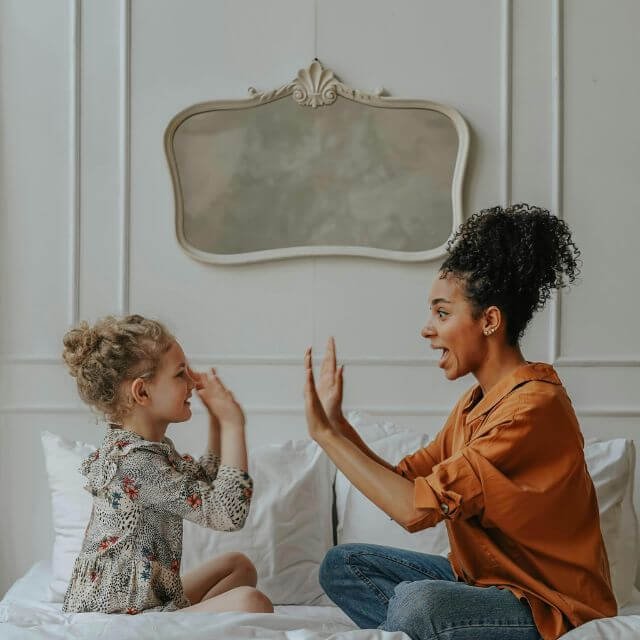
[301, 507]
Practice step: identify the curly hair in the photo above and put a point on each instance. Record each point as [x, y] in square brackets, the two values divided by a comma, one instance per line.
[101, 357]
[512, 258]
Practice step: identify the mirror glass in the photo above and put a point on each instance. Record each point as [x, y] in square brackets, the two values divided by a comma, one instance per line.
[277, 175]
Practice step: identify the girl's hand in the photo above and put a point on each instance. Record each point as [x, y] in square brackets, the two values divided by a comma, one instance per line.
[199, 380]
[318, 423]
[330, 385]
[197, 377]
[220, 401]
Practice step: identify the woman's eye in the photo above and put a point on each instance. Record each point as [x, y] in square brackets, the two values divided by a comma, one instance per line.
[441, 313]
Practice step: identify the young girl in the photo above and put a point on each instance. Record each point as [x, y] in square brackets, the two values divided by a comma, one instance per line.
[133, 371]
[506, 473]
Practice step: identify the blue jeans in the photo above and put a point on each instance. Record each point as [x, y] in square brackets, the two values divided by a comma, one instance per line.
[398, 590]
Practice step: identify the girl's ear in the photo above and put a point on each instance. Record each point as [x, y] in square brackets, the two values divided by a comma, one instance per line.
[139, 392]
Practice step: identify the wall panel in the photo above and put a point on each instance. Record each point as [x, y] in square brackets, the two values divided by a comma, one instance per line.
[86, 91]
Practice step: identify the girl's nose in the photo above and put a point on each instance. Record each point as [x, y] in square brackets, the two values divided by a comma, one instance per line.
[192, 378]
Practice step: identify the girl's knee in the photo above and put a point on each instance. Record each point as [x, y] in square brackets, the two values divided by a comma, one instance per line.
[242, 566]
[245, 568]
[252, 601]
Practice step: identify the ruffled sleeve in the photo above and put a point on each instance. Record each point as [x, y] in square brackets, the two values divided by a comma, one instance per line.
[151, 476]
[205, 468]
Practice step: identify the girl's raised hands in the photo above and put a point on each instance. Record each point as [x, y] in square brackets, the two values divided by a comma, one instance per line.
[219, 400]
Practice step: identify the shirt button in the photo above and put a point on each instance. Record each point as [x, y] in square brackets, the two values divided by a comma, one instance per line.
[444, 507]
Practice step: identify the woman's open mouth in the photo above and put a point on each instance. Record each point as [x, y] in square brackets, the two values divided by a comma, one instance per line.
[443, 357]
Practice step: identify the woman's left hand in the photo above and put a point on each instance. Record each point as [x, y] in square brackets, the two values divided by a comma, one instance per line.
[317, 421]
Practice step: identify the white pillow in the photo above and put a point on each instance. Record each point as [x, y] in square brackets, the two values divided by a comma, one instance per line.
[289, 528]
[611, 464]
[359, 520]
[70, 505]
[287, 533]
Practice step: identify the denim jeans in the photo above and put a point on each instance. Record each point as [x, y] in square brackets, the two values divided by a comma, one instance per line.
[398, 590]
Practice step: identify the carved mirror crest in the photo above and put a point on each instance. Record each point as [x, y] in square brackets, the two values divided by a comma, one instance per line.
[316, 168]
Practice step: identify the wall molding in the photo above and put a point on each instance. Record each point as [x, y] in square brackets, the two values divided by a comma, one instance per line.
[75, 141]
[213, 359]
[585, 411]
[281, 360]
[557, 195]
[506, 99]
[124, 144]
[565, 361]
[557, 157]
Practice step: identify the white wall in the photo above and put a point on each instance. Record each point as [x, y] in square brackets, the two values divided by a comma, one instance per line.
[549, 89]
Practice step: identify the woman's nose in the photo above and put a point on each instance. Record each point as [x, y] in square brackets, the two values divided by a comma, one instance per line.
[427, 331]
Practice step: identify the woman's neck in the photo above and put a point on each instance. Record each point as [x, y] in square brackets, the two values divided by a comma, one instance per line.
[500, 362]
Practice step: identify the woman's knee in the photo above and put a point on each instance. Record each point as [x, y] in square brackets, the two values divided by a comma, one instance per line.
[334, 564]
[416, 607]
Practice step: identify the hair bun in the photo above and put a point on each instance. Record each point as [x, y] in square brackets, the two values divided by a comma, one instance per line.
[79, 345]
[513, 258]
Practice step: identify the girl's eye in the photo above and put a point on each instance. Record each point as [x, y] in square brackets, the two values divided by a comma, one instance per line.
[441, 313]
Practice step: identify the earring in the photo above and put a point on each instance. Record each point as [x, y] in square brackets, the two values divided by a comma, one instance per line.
[488, 332]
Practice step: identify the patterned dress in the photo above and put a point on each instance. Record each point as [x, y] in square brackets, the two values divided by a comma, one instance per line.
[142, 490]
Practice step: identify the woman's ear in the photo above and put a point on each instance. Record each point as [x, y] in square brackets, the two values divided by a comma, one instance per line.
[139, 392]
[492, 320]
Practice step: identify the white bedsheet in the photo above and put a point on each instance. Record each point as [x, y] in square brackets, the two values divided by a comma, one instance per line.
[25, 612]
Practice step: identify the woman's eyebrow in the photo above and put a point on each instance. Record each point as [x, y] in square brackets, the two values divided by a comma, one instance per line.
[438, 301]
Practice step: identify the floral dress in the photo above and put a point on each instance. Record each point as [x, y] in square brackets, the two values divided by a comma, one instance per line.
[142, 490]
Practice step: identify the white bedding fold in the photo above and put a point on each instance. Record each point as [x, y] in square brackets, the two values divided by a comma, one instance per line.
[26, 612]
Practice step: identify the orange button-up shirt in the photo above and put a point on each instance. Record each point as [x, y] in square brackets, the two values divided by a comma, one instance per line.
[507, 473]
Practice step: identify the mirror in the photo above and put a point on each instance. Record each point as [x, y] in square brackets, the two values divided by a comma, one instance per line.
[316, 168]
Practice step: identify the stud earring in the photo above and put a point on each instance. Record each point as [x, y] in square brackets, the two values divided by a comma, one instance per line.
[488, 332]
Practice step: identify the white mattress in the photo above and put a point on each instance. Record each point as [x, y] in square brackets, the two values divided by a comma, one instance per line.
[25, 612]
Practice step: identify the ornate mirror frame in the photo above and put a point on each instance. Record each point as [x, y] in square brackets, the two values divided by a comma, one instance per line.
[316, 87]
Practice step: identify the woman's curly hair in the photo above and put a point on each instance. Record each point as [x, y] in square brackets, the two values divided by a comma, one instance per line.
[101, 357]
[512, 258]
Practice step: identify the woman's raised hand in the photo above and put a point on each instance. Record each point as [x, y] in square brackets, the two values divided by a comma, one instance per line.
[318, 423]
[219, 400]
[330, 385]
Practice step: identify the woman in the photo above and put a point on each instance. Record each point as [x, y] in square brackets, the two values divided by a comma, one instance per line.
[506, 472]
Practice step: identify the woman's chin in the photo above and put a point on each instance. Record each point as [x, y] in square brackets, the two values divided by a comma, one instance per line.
[451, 373]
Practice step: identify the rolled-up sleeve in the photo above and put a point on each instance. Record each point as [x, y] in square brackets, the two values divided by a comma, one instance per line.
[417, 464]
[455, 487]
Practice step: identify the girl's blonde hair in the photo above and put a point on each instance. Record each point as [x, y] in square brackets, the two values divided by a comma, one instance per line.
[101, 357]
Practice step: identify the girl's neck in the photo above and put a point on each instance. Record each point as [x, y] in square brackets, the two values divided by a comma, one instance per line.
[145, 427]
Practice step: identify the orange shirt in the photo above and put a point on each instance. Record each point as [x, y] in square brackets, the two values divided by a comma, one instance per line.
[508, 474]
